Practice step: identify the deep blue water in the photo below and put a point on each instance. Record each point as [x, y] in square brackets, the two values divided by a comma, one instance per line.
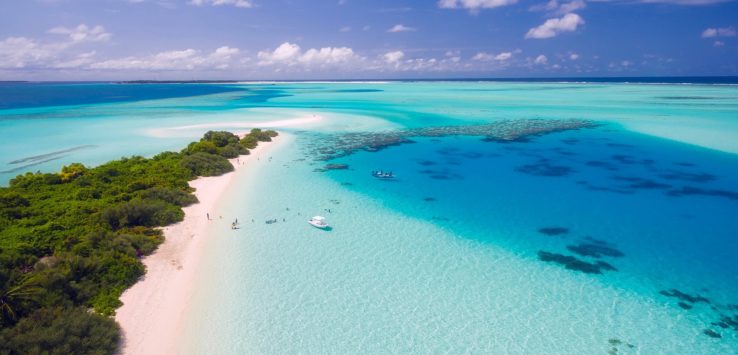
[665, 211]
[24, 95]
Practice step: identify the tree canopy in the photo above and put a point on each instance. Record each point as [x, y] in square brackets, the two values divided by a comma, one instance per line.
[71, 242]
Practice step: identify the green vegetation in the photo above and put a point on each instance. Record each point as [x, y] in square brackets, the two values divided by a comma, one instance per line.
[71, 242]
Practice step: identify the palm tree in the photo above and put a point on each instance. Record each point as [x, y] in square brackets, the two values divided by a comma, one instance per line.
[10, 298]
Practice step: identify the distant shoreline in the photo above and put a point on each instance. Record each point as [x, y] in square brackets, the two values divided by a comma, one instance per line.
[665, 80]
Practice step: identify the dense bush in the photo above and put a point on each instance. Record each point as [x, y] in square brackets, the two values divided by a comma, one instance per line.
[176, 197]
[204, 164]
[227, 144]
[61, 331]
[147, 213]
[249, 141]
[70, 242]
[263, 136]
[220, 138]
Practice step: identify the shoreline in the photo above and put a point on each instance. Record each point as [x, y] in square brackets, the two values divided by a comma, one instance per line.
[150, 318]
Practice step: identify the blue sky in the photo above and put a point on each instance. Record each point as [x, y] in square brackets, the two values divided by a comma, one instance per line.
[343, 39]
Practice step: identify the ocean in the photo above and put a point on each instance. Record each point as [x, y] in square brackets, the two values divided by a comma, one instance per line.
[615, 238]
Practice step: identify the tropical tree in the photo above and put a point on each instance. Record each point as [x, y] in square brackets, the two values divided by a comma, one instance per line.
[12, 297]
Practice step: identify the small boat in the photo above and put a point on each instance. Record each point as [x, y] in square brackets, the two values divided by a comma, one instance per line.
[382, 174]
[318, 222]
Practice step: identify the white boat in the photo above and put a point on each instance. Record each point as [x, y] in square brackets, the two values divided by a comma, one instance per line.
[318, 222]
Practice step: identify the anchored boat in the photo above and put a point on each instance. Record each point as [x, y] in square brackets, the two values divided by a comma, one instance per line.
[318, 222]
[383, 174]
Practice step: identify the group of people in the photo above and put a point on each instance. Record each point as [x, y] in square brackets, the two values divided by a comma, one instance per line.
[234, 224]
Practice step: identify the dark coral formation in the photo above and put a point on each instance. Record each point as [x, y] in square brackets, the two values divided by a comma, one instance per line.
[629, 160]
[684, 296]
[711, 333]
[690, 191]
[332, 167]
[615, 343]
[334, 146]
[595, 250]
[553, 231]
[686, 176]
[593, 187]
[544, 168]
[641, 183]
[730, 321]
[602, 164]
[573, 263]
[441, 174]
[426, 163]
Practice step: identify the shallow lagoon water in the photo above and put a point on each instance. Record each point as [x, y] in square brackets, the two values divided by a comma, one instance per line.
[402, 274]
[446, 257]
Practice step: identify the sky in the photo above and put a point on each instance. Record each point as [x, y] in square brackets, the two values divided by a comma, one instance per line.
[362, 39]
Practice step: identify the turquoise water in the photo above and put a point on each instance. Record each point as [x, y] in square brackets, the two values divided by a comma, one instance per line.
[446, 257]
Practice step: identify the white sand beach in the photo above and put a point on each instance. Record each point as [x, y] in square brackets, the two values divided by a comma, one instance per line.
[154, 307]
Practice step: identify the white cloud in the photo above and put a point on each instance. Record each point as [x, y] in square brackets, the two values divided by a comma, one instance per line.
[83, 33]
[571, 6]
[188, 59]
[541, 59]
[718, 44]
[554, 26]
[483, 57]
[453, 56]
[22, 52]
[503, 56]
[401, 28]
[81, 60]
[553, 7]
[291, 54]
[573, 56]
[345, 29]
[328, 55]
[719, 32]
[237, 3]
[286, 52]
[684, 2]
[393, 57]
[486, 57]
[18, 52]
[474, 5]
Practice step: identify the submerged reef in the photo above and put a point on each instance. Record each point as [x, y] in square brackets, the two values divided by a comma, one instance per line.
[332, 167]
[686, 176]
[553, 231]
[572, 263]
[690, 190]
[615, 343]
[595, 250]
[544, 168]
[339, 145]
[684, 296]
[711, 333]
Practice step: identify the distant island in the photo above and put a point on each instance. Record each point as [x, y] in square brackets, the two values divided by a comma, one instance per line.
[71, 242]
